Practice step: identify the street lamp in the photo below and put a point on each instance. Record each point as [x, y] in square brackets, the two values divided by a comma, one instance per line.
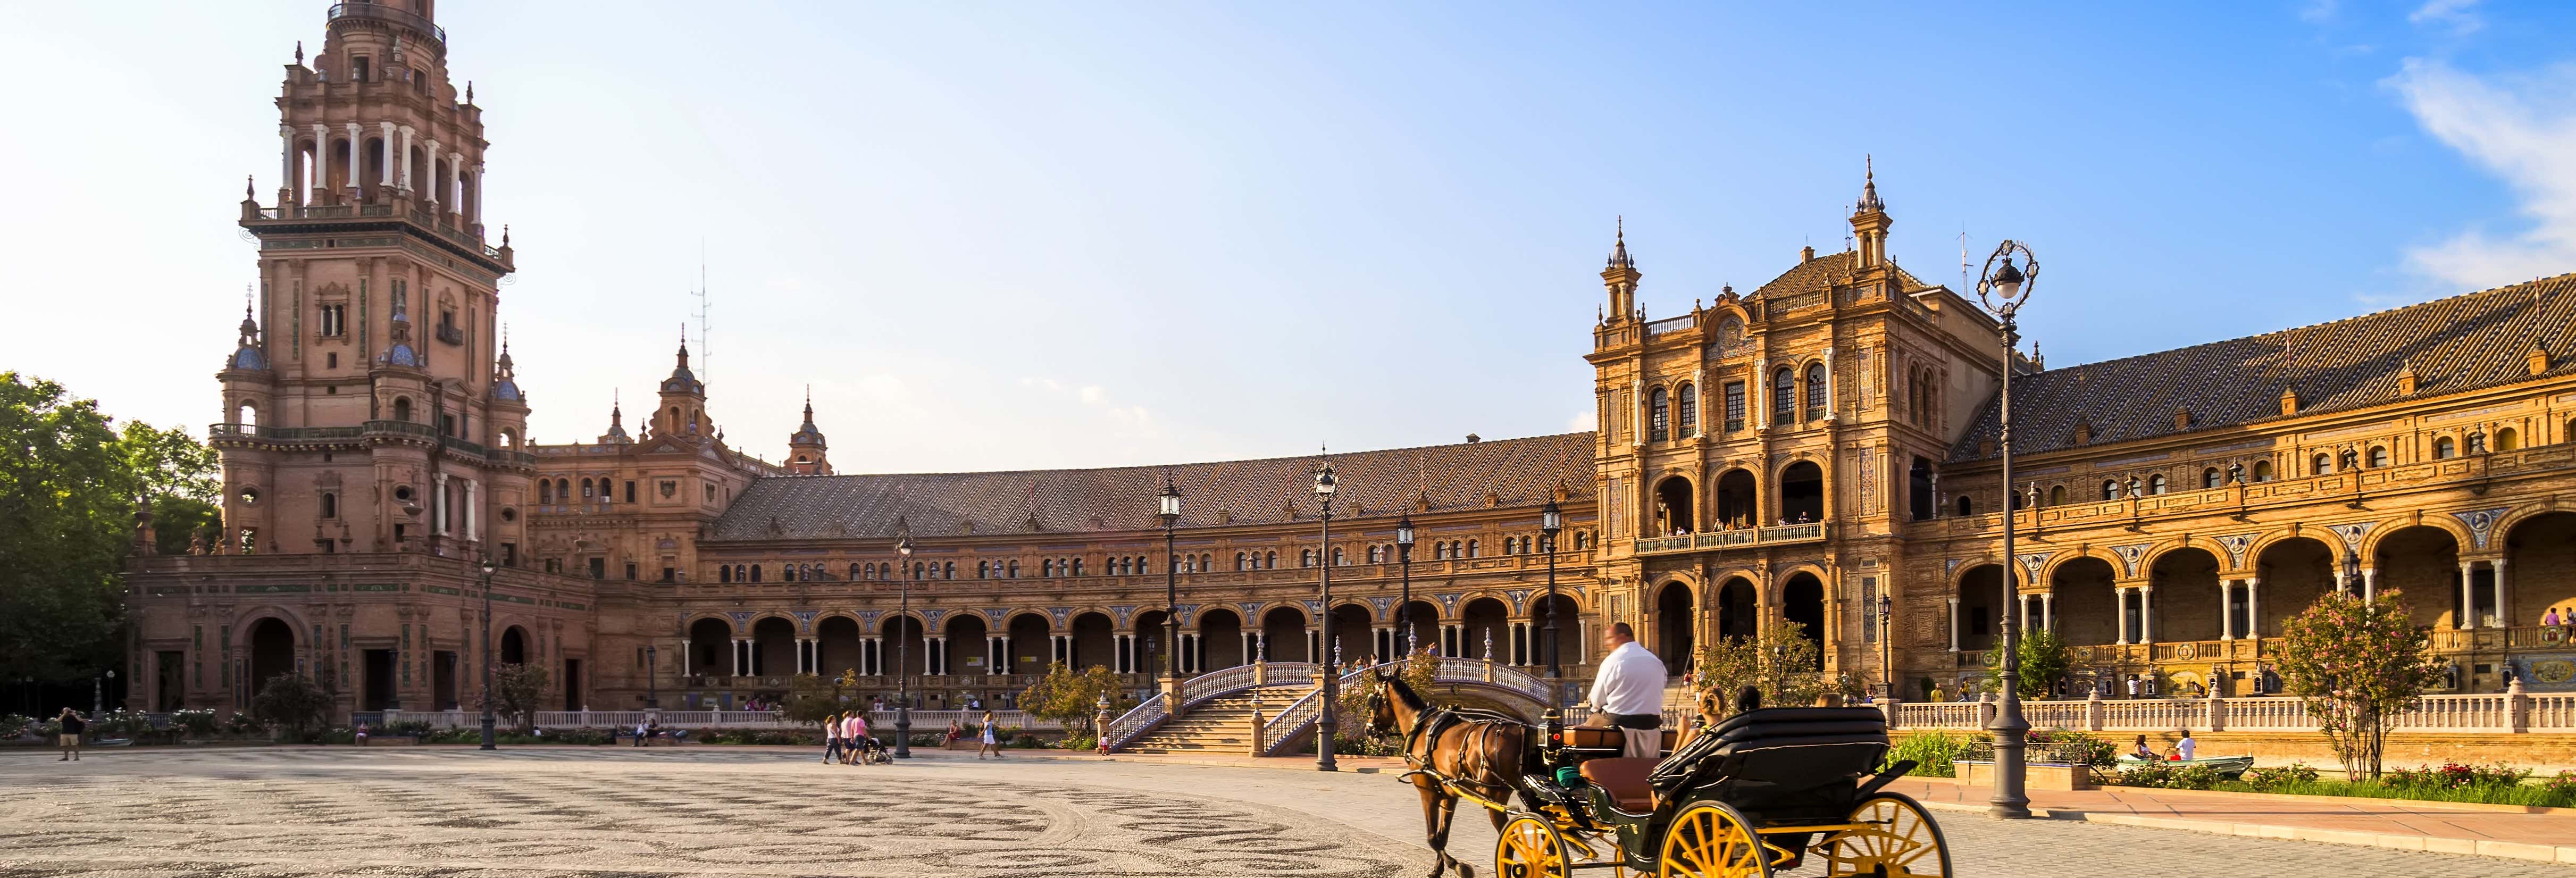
[2003, 290]
[1168, 506]
[1550, 521]
[488, 569]
[903, 654]
[1886, 651]
[652, 673]
[1404, 562]
[98, 693]
[2352, 572]
[1324, 487]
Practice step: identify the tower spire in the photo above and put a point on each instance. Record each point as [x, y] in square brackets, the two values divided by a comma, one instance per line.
[1620, 277]
[1869, 221]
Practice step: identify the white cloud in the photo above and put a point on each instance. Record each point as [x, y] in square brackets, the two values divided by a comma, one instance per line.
[1583, 421]
[2459, 15]
[2318, 11]
[2518, 128]
[1092, 394]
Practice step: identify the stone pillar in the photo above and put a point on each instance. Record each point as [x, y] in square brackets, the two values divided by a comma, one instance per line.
[2468, 618]
[2253, 608]
[286, 165]
[2517, 704]
[438, 505]
[2147, 613]
[2048, 609]
[736, 645]
[429, 188]
[401, 159]
[321, 162]
[2226, 609]
[354, 167]
[2093, 707]
[2369, 582]
[1985, 709]
[480, 187]
[2504, 610]
[1954, 624]
[385, 133]
[473, 505]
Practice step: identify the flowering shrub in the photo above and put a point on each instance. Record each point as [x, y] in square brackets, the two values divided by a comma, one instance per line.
[2076, 747]
[197, 722]
[2170, 776]
[2453, 776]
[2356, 665]
[2276, 777]
[1934, 753]
[2562, 785]
[13, 725]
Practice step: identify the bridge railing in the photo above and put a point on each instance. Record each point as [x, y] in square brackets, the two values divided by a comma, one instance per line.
[1136, 722]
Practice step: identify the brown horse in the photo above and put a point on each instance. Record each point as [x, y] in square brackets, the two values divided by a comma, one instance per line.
[1478, 752]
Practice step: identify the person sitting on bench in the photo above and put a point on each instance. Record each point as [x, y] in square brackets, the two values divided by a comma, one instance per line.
[1628, 692]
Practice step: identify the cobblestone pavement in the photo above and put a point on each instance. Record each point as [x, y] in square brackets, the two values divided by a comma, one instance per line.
[758, 812]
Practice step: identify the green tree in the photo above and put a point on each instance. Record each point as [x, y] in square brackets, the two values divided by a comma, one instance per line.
[1781, 661]
[66, 521]
[1416, 671]
[516, 691]
[2357, 665]
[290, 703]
[815, 699]
[2044, 658]
[180, 476]
[1072, 697]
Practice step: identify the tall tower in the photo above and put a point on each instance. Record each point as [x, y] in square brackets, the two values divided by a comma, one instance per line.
[1620, 277]
[368, 407]
[683, 415]
[805, 448]
[1869, 222]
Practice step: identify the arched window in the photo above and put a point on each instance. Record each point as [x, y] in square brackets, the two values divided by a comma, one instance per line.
[1659, 415]
[1372, 555]
[1816, 402]
[563, 490]
[1046, 567]
[1784, 397]
[1966, 508]
[1471, 548]
[983, 569]
[1337, 557]
[1582, 540]
[1305, 557]
[948, 570]
[2507, 439]
[2212, 478]
[2156, 484]
[402, 408]
[2323, 464]
[585, 489]
[1269, 560]
[2378, 455]
[1011, 569]
[2262, 471]
[724, 573]
[755, 573]
[2111, 489]
[2057, 495]
[2443, 449]
[1688, 425]
[854, 572]
[545, 491]
[1238, 562]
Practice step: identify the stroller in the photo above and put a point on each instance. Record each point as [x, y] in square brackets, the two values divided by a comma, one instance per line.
[870, 751]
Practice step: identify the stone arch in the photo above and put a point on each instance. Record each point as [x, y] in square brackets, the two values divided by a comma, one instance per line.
[1480, 616]
[905, 647]
[1736, 605]
[2512, 518]
[2188, 597]
[515, 646]
[1979, 588]
[1283, 633]
[838, 643]
[1676, 621]
[2084, 598]
[1221, 642]
[2048, 571]
[967, 643]
[1422, 619]
[1802, 600]
[1031, 645]
[710, 645]
[1801, 489]
[1354, 633]
[1780, 576]
[2540, 569]
[1737, 499]
[2442, 521]
[272, 647]
[773, 645]
[2291, 573]
[2422, 561]
[1676, 506]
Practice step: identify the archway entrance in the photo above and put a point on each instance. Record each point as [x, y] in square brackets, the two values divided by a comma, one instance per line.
[1556, 624]
[1484, 632]
[1918, 489]
[1030, 650]
[1673, 622]
[2424, 564]
[1981, 607]
[2293, 574]
[773, 650]
[1736, 505]
[272, 651]
[967, 651]
[1802, 493]
[1352, 636]
[1735, 608]
[1283, 635]
[2085, 602]
[1673, 507]
[1221, 640]
[1095, 641]
[904, 652]
[709, 640]
[1422, 620]
[2187, 595]
[2540, 569]
[514, 646]
[1802, 601]
[838, 647]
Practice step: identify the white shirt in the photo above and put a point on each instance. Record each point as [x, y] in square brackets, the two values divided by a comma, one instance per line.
[2188, 745]
[1631, 681]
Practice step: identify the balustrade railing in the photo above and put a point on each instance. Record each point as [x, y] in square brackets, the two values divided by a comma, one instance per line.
[2449, 712]
[1719, 539]
[2553, 712]
[1136, 722]
[1938, 715]
[1290, 722]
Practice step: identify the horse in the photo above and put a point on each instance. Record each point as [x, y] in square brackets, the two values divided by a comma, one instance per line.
[1478, 751]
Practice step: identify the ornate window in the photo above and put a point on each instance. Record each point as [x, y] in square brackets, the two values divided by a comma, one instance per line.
[854, 572]
[2507, 439]
[1816, 401]
[755, 573]
[2378, 455]
[2057, 495]
[1471, 548]
[1689, 405]
[2443, 449]
[724, 573]
[1734, 392]
[1659, 415]
[1966, 508]
[1784, 397]
[2111, 489]
[2324, 463]
[2156, 484]
[2262, 471]
[2212, 478]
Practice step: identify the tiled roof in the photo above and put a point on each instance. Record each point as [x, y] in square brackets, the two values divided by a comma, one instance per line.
[1821, 272]
[2455, 344]
[1516, 472]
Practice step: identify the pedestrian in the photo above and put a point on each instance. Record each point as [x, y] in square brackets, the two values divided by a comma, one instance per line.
[831, 738]
[990, 742]
[2133, 685]
[652, 728]
[952, 734]
[861, 746]
[73, 724]
[361, 733]
[2550, 618]
[639, 733]
[2142, 751]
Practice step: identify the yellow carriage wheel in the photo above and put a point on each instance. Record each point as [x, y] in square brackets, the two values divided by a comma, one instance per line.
[1712, 840]
[1531, 848]
[1901, 841]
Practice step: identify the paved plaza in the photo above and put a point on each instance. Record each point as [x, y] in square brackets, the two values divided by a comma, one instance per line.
[404, 811]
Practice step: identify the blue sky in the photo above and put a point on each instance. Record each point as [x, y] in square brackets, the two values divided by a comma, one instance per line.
[1052, 234]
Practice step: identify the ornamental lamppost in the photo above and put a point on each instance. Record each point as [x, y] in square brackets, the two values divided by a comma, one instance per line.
[1168, 506]
[2003, 289]
[1550, 521]
[652, 674]
[1886, 651]
[2352, 573]
[488, 568]
[903, 654]
[1404, 562]
[1324, 487]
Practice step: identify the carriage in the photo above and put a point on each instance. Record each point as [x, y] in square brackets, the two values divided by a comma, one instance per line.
[1753, 795]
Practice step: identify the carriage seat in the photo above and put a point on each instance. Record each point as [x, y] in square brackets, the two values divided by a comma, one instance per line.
[1624, 778]
[1614, 740]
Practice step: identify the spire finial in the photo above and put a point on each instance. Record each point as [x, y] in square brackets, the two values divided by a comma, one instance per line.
[299, 53]
[469, 91]
[505, 234]
[1869, 186]
[1619, 247]
[250, 188]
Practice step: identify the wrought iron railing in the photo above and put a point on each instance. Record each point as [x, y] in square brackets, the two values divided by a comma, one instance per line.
[380, 12]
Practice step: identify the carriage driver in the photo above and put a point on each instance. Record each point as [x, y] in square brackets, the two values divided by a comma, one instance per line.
[1628, 691]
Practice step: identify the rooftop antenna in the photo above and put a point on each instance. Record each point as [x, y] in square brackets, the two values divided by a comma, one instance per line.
[1963, 258]
[706, 355]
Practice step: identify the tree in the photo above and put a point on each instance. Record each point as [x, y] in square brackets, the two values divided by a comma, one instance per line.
[1072, 697]
[291, 703]
[1417, 672]
[815, 700]
[2356, 665]
[1781, 661]
[516, 691]
[66, 521]
[2044, 658]
[180, 476]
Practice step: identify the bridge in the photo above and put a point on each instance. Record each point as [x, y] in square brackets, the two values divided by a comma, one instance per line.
[1270, 708]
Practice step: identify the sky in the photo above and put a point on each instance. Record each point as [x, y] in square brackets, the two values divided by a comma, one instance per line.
[1017, 235]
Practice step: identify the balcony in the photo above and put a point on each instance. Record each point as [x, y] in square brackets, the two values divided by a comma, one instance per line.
[365, 11]
[1778, 535]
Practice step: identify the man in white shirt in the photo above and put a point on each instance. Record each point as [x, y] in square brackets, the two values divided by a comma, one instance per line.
[1628, 691]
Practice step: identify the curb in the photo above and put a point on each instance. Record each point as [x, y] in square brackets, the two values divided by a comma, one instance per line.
[2477, 847]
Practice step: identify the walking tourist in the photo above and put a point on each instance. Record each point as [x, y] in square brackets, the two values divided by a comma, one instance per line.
[73, 724]
[2133, 688]
[859, 746]
[361, 734]
[831, 738]
[1628, 692]
[990, 742]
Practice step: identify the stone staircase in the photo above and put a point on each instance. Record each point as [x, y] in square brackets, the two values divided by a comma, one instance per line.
[1220, 725]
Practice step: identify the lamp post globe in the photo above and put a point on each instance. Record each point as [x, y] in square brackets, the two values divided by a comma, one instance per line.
[903, 654]
[1404, 563]
[1325, 486]
[488, 569]
[1167, 505]
[2003, 289]
[1550, 521]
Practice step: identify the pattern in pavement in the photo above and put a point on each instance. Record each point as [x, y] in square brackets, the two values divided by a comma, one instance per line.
[755, 812]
